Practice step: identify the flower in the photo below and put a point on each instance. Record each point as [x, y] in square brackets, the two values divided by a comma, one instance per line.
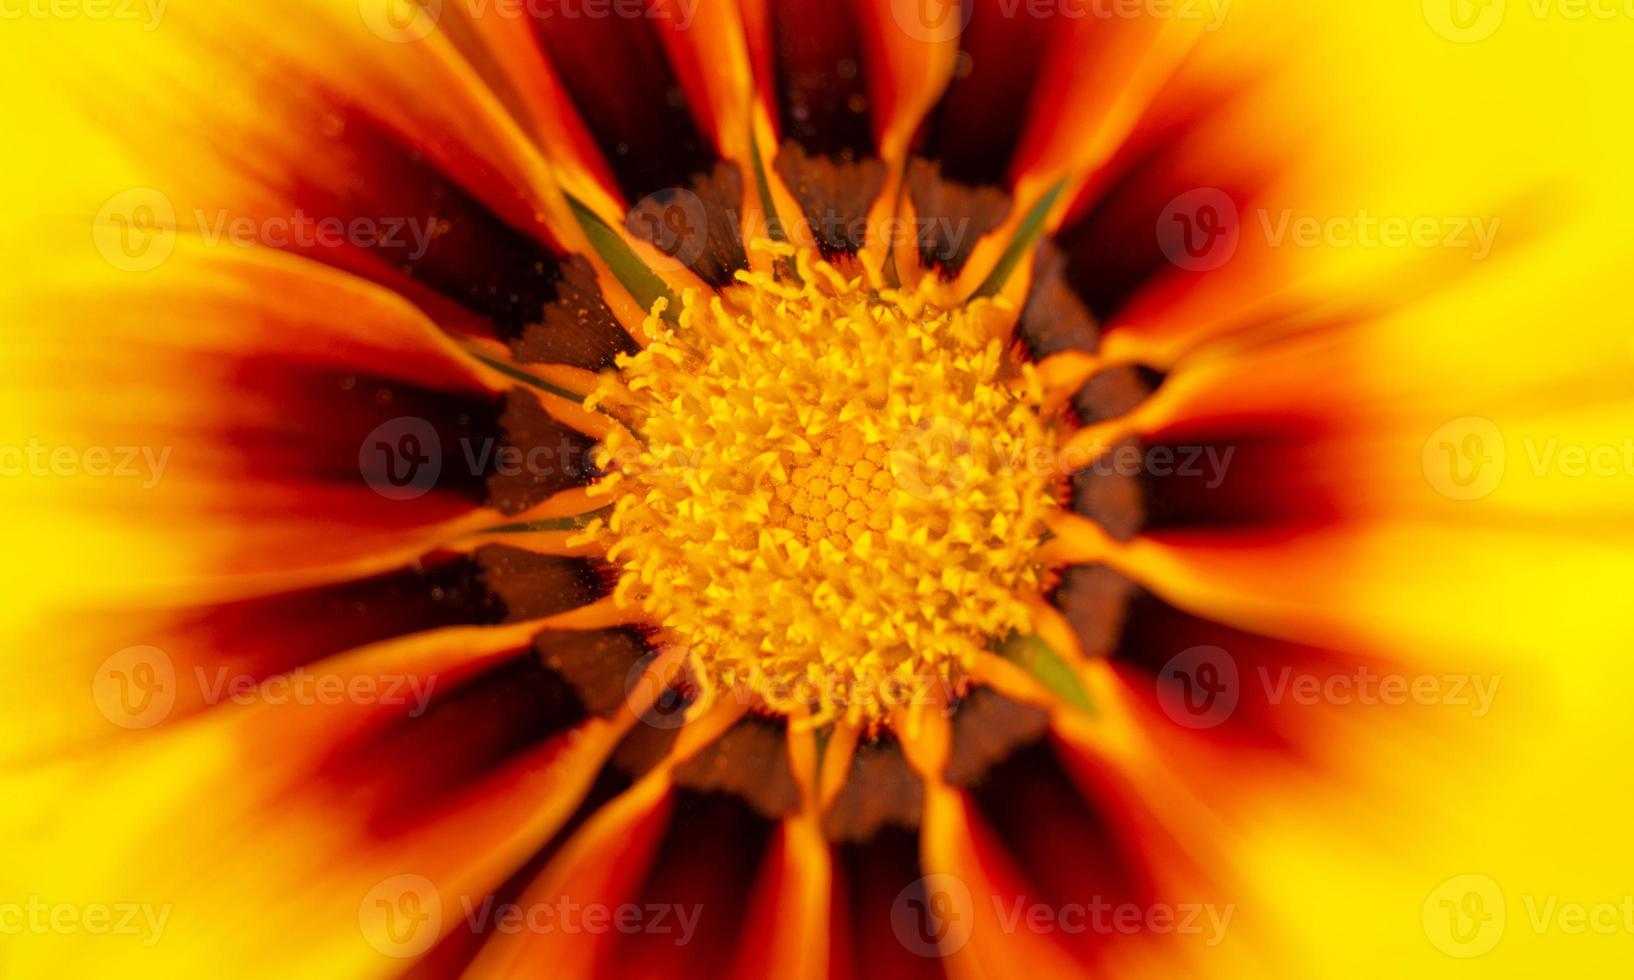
[699, 487]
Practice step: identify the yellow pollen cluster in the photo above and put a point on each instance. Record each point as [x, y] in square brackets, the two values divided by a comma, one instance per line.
[831, 499]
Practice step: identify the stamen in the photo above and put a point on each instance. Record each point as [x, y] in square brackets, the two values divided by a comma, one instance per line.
[833, 496]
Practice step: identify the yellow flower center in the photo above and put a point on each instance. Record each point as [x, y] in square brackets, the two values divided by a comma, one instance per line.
[835, 490]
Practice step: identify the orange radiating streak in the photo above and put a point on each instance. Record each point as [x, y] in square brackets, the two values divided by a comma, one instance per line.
[799, 943]
[926, 736]
[1052, 627]
[604, 861]
[1061, 149]
[1129, 346]
[757, 31]
[573, 502]
[1088, 444]
[568, 155]
[513, 147]
[1111, 731]
[604, 613]
[835, 767]
[1075, 540]
[1013, 681]
[962, 877]
[1064, 373]
[1239, 587]
[415, 545]
[798, 887]
[600, 864]
[565, 544]
[597, 425]
[548, 147]
[541, 105]
[1083, 447]
[1115, 734]
[803, 756]
[908, 74]
[574, 379]
[1110, 90]
[711, 58]
[655, 679]
[1191, 578]
[906, 262]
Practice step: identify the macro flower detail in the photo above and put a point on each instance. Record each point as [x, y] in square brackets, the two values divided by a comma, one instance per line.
[828, 498]
[769, 488]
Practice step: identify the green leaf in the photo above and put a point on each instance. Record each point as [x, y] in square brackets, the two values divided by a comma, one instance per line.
[1035, 657]
[643, 284]
[766, 206]
[1026, 235]
[512, 371]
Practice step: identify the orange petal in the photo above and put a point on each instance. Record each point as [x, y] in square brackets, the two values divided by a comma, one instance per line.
[210, 424]
[248, 793]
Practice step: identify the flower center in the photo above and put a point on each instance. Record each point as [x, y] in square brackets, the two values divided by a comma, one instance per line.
[834, 495]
